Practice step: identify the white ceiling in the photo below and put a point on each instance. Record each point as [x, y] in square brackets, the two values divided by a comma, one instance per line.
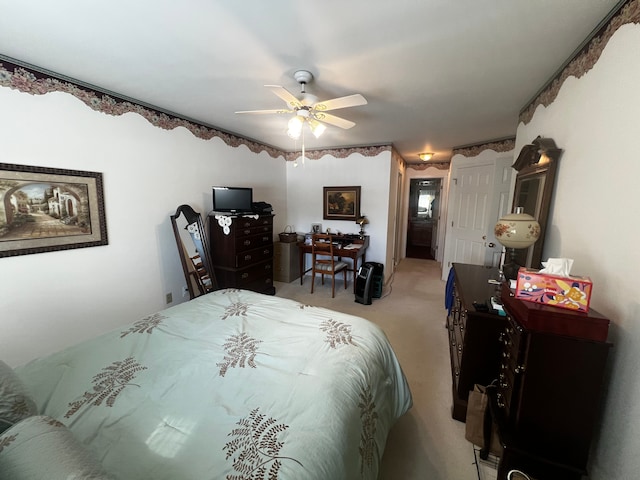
[437, 73]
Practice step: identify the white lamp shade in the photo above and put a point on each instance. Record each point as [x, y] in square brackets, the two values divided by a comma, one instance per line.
[517, 230]
[295, 126]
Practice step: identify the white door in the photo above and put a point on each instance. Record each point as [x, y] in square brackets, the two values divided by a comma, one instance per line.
[476, 198]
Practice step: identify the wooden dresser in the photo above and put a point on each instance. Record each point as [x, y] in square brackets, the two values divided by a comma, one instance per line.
[549, 389]
[242, 252]
[474, 343]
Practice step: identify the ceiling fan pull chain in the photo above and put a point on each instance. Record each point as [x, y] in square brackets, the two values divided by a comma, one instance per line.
[303, 147]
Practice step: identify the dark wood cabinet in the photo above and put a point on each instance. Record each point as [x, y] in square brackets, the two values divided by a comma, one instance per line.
[474, 335]
[242, 252]
[548, 365]
[549, 389]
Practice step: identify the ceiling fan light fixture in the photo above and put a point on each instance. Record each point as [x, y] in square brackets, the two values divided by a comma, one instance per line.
[294, 127]
[306, 108]
[426, 156]
[317, 128]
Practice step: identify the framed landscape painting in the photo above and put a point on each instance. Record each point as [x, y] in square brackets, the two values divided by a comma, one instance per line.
[341, 203]
[47, 209]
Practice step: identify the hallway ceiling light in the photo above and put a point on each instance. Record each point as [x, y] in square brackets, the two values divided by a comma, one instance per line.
[425, 156]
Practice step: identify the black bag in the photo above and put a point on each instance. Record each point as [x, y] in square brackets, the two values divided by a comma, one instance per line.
[479, 421]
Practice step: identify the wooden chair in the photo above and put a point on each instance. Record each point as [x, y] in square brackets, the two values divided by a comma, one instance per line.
[325, 262]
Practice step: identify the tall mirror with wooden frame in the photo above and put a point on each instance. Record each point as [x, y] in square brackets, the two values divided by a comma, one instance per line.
[536, 165]
[193, 248]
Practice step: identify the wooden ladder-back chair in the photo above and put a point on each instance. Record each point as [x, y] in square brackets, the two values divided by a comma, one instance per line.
[325, 262]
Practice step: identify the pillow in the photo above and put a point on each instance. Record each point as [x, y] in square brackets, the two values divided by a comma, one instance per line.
[15, 402]
[42, 448]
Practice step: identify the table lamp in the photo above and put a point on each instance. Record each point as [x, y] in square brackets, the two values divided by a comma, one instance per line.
[515, 231]
[362, 221]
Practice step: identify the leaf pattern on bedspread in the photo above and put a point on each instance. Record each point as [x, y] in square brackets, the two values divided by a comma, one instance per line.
[146, 325]
[20, 407]
[230, 290]
[235, 310]
[369, 418]
[6, 441]
[54, 423]
[108, 384]
[337, 333]
[257, 447]
[241, 350]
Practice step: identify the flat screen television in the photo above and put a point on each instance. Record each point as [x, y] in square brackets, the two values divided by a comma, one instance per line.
[232, 199]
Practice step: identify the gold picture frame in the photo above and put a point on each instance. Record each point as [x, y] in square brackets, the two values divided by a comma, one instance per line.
[341, 203]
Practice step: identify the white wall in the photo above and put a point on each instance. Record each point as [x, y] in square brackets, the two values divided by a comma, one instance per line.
[594, 220]
[304, 195]
[51, 300]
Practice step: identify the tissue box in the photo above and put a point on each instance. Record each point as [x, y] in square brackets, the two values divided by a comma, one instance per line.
[573, 293]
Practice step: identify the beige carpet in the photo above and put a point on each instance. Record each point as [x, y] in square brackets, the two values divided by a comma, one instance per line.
[426, 443]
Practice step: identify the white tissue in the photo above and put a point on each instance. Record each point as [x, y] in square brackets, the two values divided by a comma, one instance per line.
[558, 266]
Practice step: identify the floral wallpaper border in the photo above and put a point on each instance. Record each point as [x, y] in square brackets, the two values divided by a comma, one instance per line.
[584, 59]
[504, 145]
[35, 82]
[367, 151]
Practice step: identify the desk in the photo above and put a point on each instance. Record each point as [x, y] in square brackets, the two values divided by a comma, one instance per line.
[352, 253]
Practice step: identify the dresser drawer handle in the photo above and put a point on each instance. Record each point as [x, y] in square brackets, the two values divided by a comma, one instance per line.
[247, 243]
[506, 354]
[504, 385]
[519, 369]
[247, 257]
[266, 251]
[500, 400]
[245, 275]
[247, 231]
[267, 266]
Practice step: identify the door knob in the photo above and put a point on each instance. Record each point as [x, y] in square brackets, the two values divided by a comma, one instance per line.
[491, 245]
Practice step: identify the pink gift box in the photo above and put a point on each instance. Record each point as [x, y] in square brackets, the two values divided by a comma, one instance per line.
[573, 293]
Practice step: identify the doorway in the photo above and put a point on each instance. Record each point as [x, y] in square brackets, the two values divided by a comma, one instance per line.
[424, 213]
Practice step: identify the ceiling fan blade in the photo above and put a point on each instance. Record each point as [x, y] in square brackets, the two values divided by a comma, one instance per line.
[285, 95]
[281, 110]
[341, 102]
[333, 120]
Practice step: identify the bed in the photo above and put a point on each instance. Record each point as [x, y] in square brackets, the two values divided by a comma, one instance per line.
[231, 385]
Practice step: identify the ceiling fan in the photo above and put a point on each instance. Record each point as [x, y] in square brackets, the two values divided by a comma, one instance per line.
[308, 110]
